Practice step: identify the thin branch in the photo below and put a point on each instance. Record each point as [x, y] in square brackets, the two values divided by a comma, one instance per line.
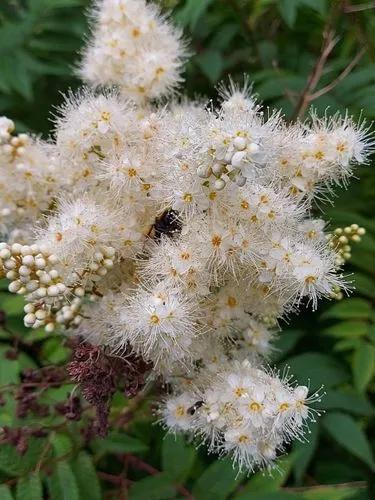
[354, 484]
[328, 44]
[359, 7]
[341, 76]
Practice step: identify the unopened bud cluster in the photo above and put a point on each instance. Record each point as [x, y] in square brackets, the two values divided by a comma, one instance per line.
[340, 241]
[180, 233]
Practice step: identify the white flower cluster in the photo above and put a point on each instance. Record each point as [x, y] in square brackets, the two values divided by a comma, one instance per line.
[133, 46]
[245, 412]
[180, 231]
[28, 181]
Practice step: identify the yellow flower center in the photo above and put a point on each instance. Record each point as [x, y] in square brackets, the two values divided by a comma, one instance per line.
[154, 319]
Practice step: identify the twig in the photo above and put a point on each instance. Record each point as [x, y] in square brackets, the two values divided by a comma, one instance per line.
[341, 76]
[141, 465]
[359, 7]
[328, 44]
[354, 484]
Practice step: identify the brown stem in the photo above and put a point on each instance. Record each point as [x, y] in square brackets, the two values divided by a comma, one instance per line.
[315, 75]
[341, 76]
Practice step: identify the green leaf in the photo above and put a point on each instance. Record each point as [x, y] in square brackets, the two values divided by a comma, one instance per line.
[346, 431]
[9, 369]
[332, 493]
[62, 444]
[347, 329]
[284, 343]
[66, 481]
[158, 487]
[363, 365]
[13, 464]
[177, 457]
[364, 285]
[352, 403]
[191, 12]
[5, 493]
[29, 488]
[211, 63]
[263, 482]
[354, 308]
[87, 480]
[271, 495]
[217, 481]
[118, 442]
[317, 368]
[305, 452]
[288, 11]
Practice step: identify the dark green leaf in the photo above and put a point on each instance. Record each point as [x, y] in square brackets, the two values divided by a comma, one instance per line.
[288, 10]
[217, 482]
[363, 365]
[304, 452]
[66, 481]
[346, 431]
[118, 442]
[263, 482]
[5, 493]
[211, 63]
[320, 369]
[177, 457]
[87, 480]
[29, 488]
[158, 487]
[353, 308]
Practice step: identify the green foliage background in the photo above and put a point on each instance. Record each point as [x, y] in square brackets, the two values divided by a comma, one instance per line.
[276, 43]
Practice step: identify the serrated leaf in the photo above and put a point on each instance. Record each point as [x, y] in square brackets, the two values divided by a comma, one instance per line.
[158, 487]
[13, 464]
[86, 477]
[363, 365]
[217, 481]
[354, 308]
[29, 488]
[177, 457]
[67, 482]
[347, 433]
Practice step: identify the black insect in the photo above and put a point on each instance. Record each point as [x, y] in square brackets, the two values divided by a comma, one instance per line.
[168, 224]
[195, 407]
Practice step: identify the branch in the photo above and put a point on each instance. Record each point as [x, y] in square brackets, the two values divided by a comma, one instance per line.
[359, 7]
[328, 44]
[341, 76]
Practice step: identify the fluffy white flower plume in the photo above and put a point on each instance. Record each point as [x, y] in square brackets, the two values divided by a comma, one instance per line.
[135, 48]
[181, 233]
[242, 411]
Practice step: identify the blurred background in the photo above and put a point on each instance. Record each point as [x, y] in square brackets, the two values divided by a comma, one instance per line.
[283, 46]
